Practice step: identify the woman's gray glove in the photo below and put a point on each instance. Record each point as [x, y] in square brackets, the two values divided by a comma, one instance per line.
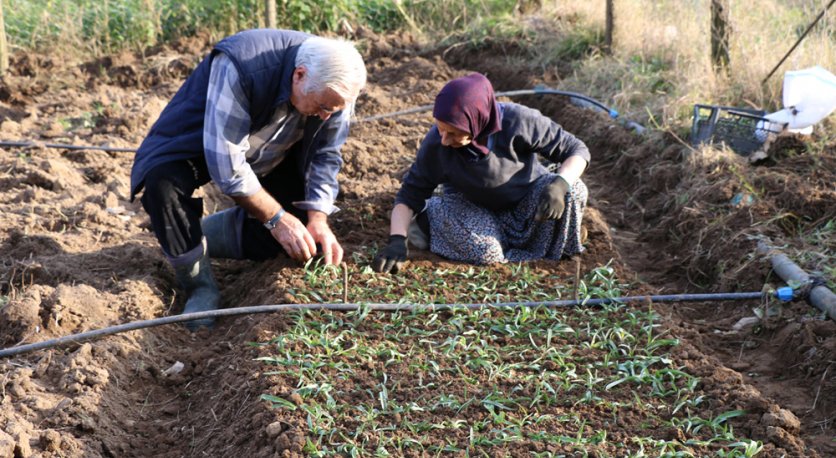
[391, 258]
[553, 200]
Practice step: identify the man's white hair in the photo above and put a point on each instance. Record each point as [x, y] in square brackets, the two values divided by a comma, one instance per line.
[334, 64]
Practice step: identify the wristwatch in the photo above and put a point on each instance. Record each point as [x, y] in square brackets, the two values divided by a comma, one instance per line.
[271, 223]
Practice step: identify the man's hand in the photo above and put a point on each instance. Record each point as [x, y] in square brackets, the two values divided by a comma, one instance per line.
[553, 200]
[391, 258]
[332, 251]
[294, 238]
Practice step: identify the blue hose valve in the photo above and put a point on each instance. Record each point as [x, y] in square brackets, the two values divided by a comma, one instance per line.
[784, 293]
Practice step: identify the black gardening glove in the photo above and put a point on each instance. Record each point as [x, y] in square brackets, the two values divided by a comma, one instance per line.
[553, 200]
[391, 258]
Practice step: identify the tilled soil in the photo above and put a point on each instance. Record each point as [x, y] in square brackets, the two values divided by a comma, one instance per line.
[77, 255]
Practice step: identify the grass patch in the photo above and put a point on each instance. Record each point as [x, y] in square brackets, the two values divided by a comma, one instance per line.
[512, 283]
[488, 382]
[677, 38]
[581, 43]
[819, 254]
[109, 26]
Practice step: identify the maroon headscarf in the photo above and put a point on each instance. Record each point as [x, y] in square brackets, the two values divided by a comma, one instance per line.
[468, 103]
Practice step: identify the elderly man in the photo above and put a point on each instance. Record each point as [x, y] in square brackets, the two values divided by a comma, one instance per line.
[264, 116]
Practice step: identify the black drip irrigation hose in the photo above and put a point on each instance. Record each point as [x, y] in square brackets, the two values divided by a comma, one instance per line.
[97, 333]
[32, 144]
[536, 91]
[588, 101]
[638, 128]
[539, 90]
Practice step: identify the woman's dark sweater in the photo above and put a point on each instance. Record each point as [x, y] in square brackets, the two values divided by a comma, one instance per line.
[500, 179]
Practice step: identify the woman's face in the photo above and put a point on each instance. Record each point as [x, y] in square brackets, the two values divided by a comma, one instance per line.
[451, 136]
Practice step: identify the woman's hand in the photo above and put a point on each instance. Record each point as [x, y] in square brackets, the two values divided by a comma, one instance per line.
[392, 257]
[553, 200]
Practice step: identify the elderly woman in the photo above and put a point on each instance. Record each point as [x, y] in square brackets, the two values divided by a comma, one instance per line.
[499, 203]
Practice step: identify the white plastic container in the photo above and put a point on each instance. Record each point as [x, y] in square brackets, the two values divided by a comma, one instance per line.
[809, 95]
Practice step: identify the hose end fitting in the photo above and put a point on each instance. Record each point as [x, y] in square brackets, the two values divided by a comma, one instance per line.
[785, 293]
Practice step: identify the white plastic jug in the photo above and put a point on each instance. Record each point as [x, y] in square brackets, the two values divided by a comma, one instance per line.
[809, 97]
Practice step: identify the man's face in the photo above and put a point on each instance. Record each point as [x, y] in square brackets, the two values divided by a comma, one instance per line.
[452, 136]
[322, 104]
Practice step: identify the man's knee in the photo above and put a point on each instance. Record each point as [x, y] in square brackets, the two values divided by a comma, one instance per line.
[160, 189]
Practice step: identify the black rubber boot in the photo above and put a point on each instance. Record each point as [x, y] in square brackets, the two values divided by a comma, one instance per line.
[222, 233]
[194, 274]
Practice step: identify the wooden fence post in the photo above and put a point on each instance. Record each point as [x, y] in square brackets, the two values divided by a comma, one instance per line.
[610, 27]
[270, 13]
[4, 48]
[720, 31]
